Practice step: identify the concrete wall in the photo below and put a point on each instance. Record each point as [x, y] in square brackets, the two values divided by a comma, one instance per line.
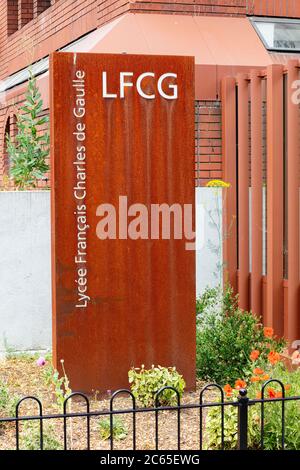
[25, 288]
[209, 266]
[25, 273]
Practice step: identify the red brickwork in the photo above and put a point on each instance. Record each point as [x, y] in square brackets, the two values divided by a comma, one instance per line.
[288, 8]
[39, 6]
[190, 7]
[46, 25]
[208, 142]
[12, 16]
[25, 12]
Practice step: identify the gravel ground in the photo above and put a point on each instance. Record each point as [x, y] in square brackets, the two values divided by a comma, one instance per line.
[23, 378]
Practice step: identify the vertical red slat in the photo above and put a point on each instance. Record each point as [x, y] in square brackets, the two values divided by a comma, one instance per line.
[229, 174]
[256, 193]
[274, 313]
[243, 192]
[291, 319]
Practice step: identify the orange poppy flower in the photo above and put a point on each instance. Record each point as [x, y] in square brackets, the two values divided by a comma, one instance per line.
[287, 387]
[278, 395]
[268, 332]
[271, 393]
[239, 384]
[258, 395]
[254, 379]
[228, 390]
[273, 357]
[254, 355]
[258, 371]
[265, 378]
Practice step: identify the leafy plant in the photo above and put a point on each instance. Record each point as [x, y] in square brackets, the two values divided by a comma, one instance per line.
[215, 302]
[30, 437]
[120, 430]
[4, 395]
[60, 385]
[272, 413]
[31, 148]
[226, 339]
[8, 401]
[213, 428]
[145, 383]
[219, 195]
[208, 299]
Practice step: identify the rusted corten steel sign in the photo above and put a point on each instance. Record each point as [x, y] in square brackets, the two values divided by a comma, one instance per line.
[122, 143]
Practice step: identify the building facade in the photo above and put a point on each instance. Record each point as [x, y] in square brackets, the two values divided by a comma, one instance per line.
[31, 29]
[243, 84]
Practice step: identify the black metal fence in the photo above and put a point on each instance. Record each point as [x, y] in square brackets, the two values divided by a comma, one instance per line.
[242, 404]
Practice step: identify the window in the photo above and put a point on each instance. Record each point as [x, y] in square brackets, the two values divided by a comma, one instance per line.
[25, 12]
[12, 16]
[10, 130]
[42, 5]
[278, 34]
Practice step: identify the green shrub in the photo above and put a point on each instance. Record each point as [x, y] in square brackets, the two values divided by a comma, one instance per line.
[213, 438]
[30, 437]
[213, 429]
[225, 341]
[215, 302]
[146, 383]
[120, 430]
[273, 417]
[8, 401]
[4, 395]
[59, 385]
[30, 149]
[273, 423]
[208, 299]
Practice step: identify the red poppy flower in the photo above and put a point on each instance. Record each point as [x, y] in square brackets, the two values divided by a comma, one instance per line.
[254, 355]
[239, 384]
[228, 390]
[273, 357]
[268, 332]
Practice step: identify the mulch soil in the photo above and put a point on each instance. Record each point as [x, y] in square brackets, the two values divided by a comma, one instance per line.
[23, 377]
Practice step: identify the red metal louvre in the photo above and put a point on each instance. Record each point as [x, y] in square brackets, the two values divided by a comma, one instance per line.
[273, 296]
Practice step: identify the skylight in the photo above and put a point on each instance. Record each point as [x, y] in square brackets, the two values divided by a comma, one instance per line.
[278, 34]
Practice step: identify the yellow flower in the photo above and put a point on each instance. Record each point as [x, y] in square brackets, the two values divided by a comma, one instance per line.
[217, 184]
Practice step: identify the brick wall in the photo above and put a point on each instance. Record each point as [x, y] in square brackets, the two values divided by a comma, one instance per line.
[62, 23]
[204, 7]
[65, 20]
[25, 12]
[288, 8]
[56, 23]
[12, 16]
[39, 6]
[208, 143]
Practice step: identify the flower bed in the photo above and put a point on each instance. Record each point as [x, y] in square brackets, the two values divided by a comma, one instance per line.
[22, 376]
[272, 381]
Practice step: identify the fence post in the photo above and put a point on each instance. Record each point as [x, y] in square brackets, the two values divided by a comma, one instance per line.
[243, 420]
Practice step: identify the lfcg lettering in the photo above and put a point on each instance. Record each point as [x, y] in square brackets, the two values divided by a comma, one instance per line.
[147, 84]
[165, 85]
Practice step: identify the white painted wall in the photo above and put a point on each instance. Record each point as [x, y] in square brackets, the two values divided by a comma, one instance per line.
[25, 273]
[25, 287]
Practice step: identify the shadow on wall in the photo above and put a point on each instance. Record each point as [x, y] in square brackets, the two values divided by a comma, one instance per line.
[25, 287]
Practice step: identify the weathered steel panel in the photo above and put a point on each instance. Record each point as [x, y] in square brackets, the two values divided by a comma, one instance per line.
[243, 191]
[256, 192]
[229, 117]
[142, 292]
